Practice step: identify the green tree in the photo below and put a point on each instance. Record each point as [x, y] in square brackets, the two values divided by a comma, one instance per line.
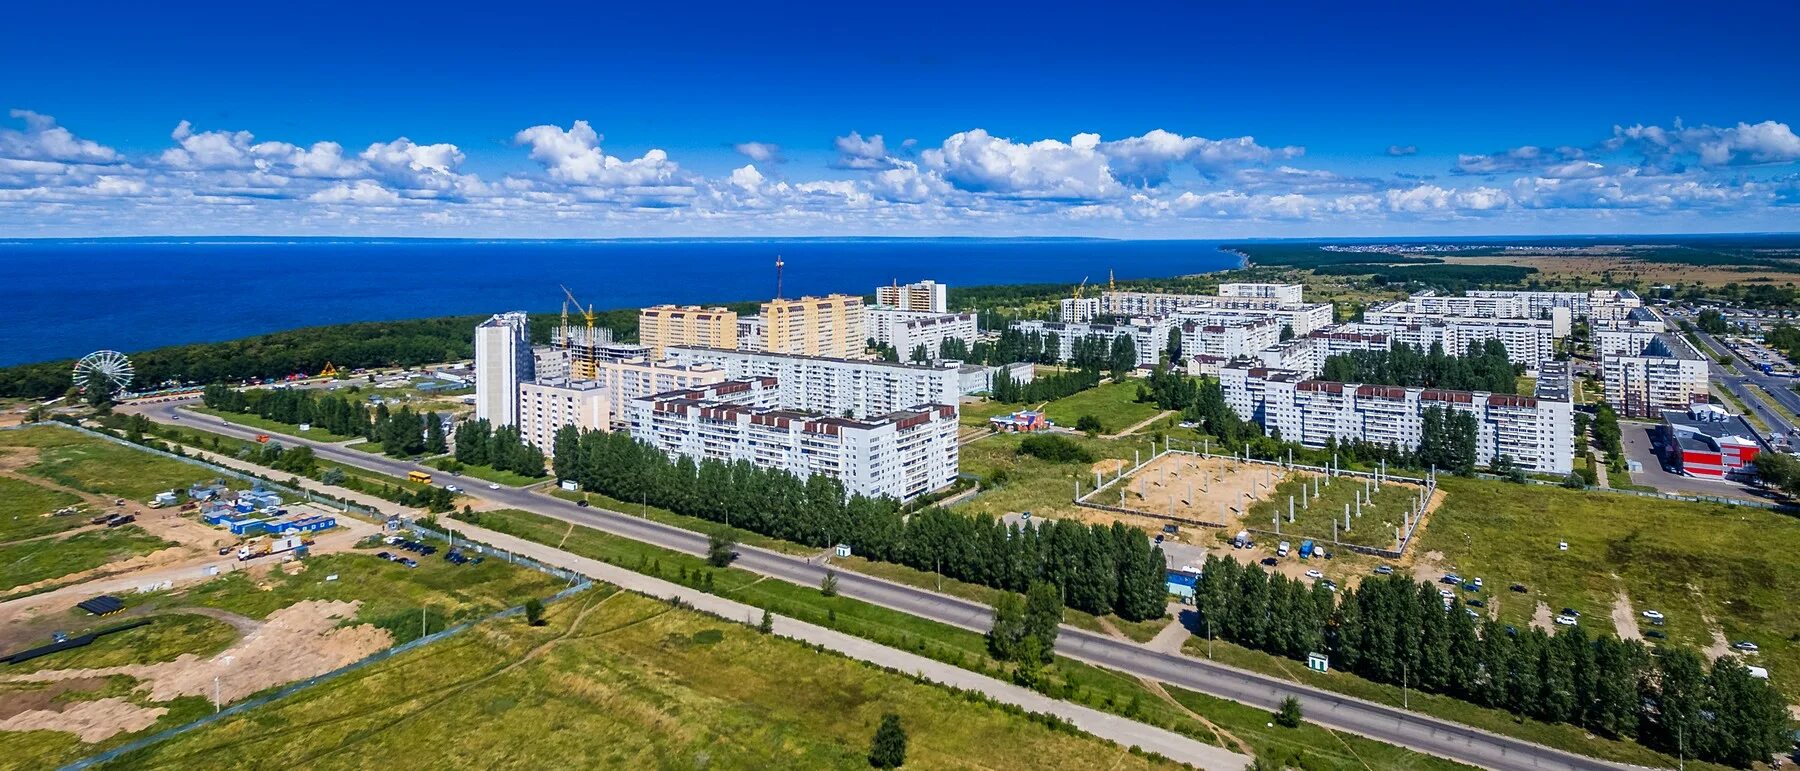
[534, 612]
[1006, 640]
[1043, 614]
[435, 442]
[1289, 715]
[1089, 424]
[767, 624]
[720, 549]
[828, 585]
[888, 748]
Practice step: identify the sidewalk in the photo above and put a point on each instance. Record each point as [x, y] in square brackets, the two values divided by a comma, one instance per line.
[1107, 726]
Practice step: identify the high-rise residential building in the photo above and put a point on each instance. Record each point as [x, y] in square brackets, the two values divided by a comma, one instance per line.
[1301, 317]
[833, 325]
[1535, 434]
[925, 296]
[628, 379]
[545, 406]
[662, 326]
[1288, 294]
[1529, 342]
[902, 454]
[580, 347]
[907, 330]
[752, 333]
[1079, 310]
[503, 360]
[1149, 336]
[1227, 337]
[1664, 375]
[828, 386]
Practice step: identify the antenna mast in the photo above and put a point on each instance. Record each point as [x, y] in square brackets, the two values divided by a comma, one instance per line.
[778, 264]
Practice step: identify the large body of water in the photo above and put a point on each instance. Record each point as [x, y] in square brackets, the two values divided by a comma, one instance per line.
[64, 298]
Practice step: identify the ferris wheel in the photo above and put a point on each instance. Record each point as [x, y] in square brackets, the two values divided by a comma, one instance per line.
[107, 370]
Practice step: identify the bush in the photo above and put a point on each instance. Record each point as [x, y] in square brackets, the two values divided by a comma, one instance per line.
[720, 550]
[1056, 449]
[1089, 424]
[1289, 715]
[534, 612]
[888, 748]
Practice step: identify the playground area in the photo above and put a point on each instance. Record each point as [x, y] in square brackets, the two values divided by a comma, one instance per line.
[1234, 494]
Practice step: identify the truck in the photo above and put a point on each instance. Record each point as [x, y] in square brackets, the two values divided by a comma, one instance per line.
[1282, 551]
[1306, 549]
[1241, 540]
[1767, 368]
[262, 548]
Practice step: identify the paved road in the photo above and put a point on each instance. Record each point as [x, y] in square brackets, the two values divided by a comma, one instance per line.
[1740, 384]
[1376, 721]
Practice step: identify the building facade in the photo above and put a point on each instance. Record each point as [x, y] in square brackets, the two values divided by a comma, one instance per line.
[545, 406]
[1536, 434]
[835, 386]
[907, 330]
[1149, 336]
[1227, 337]
[1287, 294]
[1707, 442]
[1665, 375]
[1302, 317]
[1078, 310]
[663, 326]
[835, 325]
[503, 360]
[632, 378]
[902, 454]
[922, 296]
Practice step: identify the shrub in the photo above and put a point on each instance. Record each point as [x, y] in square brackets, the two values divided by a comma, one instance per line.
[1056, 449]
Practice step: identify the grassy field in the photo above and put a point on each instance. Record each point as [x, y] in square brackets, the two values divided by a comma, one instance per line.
[1032, 484]
[360, 479]
[1115, 404]
[486, 473]
[264, 424]
[976, 413]
[99, 466]
[394, 597]
[617, 680]
[1308, 746]
[1560, 736]
[23, 506]
[1375, 528]
[1693, 562]
[167, 637]
[27, 563]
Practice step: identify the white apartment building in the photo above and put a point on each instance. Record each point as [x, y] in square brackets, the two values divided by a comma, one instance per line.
[632, 378]
[1428, 308]
[922, 296]
[835, 386]
[903, 454]
[1665, 375]
[1537, 434]
[1308, 353]
[503, 360]
[1225, 336]
[1288, 294]
[833, 325]
[1303, 317]
[906, 330]
[545, 406]
[1596, 305]
[1079, 310]
[1529, 342]
[753, 333]
[1150, 336]
[1623, 341]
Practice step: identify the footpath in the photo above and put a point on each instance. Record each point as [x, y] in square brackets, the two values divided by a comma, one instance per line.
[1107, 726]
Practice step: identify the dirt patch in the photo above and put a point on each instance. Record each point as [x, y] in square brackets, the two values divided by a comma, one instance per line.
[1108, 466]
[1625, 618]
[1720, 647]
[1195, 488]
[1542, 619]
[35, 699]
[296, 642]
[90, 721]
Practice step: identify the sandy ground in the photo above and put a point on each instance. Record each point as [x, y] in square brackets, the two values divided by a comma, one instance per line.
[1624, 618]
[294, 643]
[1198, 489]
[1543, 619]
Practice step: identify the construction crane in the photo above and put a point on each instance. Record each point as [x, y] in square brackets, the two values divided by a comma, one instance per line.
[587, 313]
[1111, 285]
[1081, 287]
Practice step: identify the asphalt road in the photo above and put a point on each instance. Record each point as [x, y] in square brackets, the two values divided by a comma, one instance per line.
[1777, 387]
[1376, 721]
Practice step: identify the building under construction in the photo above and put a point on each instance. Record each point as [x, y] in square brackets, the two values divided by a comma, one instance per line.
[581, 345]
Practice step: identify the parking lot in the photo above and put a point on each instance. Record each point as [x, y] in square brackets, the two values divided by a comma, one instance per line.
[1640, 447]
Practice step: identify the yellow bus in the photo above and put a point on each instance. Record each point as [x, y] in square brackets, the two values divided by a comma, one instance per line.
[418, 476]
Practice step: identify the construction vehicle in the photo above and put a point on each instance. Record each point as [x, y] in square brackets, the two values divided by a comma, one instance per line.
[261, 548]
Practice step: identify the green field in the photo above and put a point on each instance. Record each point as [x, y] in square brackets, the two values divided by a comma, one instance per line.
[165, 638]
[1308, 746]
[976, 413]
[1115, 404]
[484, 473]
[100, 466]
[1028, 483]
[1691, 561]
[23, 506]
[684, 521]
[34, 561]
[1315, 520]
[264, 424]
[616, 680]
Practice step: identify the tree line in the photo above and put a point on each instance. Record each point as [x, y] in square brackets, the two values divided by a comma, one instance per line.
[1041, 389]
[1395, 630]
[479, 443]
[1484, 368]
[1097, 569]
[401, 433]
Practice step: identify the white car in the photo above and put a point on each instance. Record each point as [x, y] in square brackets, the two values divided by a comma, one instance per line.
[1567, 621]
[1314, 574]
[1446, 593]
[1653, 615]
[453, 488]
[493, 486]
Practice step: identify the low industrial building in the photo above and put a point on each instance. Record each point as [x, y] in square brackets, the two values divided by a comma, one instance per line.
[1707, 442]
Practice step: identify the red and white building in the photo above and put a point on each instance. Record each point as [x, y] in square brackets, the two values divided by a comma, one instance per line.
[1707, 442]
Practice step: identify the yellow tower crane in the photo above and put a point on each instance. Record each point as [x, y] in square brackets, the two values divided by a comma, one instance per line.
[581, 356]
[1079, 288]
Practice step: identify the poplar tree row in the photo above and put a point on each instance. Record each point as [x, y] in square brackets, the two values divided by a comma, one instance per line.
[1096, 569]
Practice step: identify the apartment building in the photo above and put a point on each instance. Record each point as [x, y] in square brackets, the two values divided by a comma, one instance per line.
[753, 333]
[663, 326]
[834, 325]
[1079, 310]
[503, 360]
[1664, 375]
[1150, 336]
[545, 406]
[1288, 294]
[1427, 308]
[1596, 305]
[906, 330]
[1226, 336]
[902, 454]
[1529, 342]
[1308, 353]
[1302, 317]
[831, 386]
[1628, 340]
[1537, 434]
[923, 296]
[632, 378]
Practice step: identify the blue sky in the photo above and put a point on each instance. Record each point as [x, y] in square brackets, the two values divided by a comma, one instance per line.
[1191, 119]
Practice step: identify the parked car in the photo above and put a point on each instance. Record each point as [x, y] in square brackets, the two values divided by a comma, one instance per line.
[1477, 582]
[1450, 578]
[1520, 588]
[1566, 620]
[493, 486]
[1314, 574]
[1745, 646]
[1271, 561]
[1656, 634]
[453, 488]
[1446, 593]
[1476, 604]
[1571, 612]
[582, 503]
[1653, 615]
[1330, 586]
[1384, 570]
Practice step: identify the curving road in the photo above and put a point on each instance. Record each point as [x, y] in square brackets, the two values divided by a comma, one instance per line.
[1376, 721]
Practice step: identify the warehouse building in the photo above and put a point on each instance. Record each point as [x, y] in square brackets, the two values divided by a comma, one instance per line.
[1707, 442]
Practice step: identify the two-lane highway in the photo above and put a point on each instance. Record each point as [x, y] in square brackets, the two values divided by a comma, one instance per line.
[1376, 721]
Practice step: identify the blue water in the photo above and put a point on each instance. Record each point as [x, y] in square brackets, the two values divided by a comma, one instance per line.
[64, 298]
